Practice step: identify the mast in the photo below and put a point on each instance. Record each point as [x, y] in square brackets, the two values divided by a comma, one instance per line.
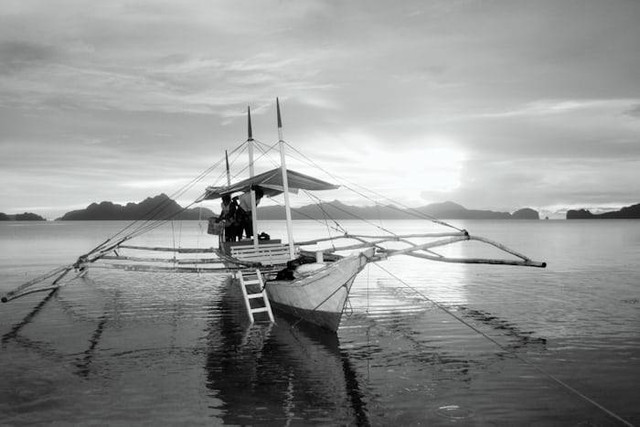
[285, 183]
[226, 159]
[254, 207]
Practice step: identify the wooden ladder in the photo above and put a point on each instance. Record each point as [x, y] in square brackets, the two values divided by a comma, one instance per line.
[252, 286]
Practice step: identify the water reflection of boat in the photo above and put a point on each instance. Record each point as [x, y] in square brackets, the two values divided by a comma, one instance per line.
[281, 372]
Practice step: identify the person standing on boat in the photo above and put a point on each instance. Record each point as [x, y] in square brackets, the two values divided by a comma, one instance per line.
[244, 212]
[228, 216]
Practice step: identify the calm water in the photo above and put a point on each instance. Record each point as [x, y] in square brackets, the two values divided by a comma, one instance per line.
[503, 346]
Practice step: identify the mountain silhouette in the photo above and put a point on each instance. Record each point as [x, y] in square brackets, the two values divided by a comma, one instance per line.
[628, 212]
[27, 216]
[158, 207]
[338, 210]
[163, 207]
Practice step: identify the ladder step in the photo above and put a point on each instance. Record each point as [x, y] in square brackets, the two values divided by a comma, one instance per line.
[248, 281]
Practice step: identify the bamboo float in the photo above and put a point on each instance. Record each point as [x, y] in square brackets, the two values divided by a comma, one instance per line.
[157, 268]
[523, 263]
[136, 259]
[166, 249]
[171, 260]
[200, 261]
[12, 294]
[395, 237]
[152, 268]
[21, 291]
[33, 291]
[390, 238]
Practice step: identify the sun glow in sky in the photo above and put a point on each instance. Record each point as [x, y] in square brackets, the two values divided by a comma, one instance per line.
[433, 169]
[491, 104]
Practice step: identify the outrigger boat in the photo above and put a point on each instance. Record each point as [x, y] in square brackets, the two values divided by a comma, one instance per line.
[300, 278]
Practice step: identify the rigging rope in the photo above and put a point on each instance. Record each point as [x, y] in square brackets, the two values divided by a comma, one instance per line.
[152, 222]
[154, 213]
[411, 211]
[325, 214]
[362, 219]
[260, 146]
[149, 224]
[137, 228]
[507, 350]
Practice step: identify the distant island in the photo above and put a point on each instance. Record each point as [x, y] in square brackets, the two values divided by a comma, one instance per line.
[158, 207]
[163, 207]
[338, 210]
[628, 212]
[149, 209]
[27, 216]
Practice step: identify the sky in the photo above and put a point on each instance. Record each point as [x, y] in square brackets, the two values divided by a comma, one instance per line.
[491, 104]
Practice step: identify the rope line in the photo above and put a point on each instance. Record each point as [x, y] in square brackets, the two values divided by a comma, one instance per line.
[512, 353]
[327, 298]
[411, 211]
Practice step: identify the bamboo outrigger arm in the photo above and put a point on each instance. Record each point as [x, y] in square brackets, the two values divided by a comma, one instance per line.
[80, 265]
[412, 251]
[524, 263]
[389, 238]
[423, 250]
[382, 239]
[22, 289]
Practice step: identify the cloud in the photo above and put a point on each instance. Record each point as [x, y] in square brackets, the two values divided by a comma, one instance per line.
[634, 111]
[544, 183]
[18, 56]
[153, 56]
[139, 92]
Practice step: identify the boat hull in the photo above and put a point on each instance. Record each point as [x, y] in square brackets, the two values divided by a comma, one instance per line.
[320, 297]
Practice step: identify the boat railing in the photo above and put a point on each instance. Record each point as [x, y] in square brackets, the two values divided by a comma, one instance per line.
[265, 254]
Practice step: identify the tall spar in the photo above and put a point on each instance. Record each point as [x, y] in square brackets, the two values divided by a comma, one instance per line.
[254, 210]
[226, 161]
[285, 184]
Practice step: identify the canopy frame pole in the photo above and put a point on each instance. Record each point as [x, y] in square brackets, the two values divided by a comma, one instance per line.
[285, 184]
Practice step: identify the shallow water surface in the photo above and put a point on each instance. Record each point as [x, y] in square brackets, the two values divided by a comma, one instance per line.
[421, 343]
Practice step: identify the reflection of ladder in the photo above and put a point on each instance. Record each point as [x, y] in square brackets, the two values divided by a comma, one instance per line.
[254, 293]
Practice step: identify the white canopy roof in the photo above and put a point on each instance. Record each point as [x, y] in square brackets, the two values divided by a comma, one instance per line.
[271, 184]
